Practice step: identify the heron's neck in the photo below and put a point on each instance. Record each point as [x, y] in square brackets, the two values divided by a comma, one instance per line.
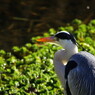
[62, 56]
[71, 49]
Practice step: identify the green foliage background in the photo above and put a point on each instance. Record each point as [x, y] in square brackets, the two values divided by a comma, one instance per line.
[29, 70]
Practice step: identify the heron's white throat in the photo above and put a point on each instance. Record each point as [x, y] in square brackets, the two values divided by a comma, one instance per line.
[69, 46]
[69, 49]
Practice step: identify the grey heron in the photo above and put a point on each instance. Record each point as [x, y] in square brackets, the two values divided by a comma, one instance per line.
[75, 70]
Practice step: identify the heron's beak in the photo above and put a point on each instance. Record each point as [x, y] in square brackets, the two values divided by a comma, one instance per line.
[46, 39]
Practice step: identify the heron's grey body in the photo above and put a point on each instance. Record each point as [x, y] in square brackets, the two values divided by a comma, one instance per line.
[76, 70]
[81, 79]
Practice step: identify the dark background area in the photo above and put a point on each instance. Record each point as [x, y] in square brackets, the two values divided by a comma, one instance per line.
[22, 19]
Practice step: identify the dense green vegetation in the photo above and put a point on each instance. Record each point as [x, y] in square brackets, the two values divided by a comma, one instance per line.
[29, 70]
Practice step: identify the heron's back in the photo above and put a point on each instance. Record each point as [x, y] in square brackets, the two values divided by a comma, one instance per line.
[81, 79]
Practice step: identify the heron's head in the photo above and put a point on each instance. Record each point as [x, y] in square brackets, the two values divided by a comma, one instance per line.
[63, 38]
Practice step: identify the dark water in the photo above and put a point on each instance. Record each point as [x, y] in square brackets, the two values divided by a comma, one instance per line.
[20, 19]
[15, 37]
